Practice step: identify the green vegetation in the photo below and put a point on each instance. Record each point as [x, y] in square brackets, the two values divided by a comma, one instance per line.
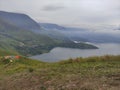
[22, 41]
[93, 73]
[4, 52]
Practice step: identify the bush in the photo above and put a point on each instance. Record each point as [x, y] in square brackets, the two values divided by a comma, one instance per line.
[30, 70]
[4, 61]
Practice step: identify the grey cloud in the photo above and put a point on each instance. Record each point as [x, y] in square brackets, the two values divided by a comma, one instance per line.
[52, 8]
[65, 12]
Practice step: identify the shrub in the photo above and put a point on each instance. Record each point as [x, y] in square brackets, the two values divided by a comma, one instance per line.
[30, 70]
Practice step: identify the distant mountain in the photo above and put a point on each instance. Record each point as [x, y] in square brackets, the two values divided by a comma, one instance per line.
[51, 26]
[23, 41]
[52, 31]
[18, 35]
[20, 20]
[25, 22]
[101, 34]
[63, 32]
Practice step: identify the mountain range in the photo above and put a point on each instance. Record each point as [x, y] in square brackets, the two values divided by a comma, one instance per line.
[100, 34]
[20, 34]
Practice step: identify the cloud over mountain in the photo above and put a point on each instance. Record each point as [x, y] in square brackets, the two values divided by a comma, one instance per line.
[72, 12]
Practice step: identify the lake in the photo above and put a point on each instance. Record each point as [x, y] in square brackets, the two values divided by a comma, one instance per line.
[60, 53]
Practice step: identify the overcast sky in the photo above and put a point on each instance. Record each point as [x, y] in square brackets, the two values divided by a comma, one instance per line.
[67, 12]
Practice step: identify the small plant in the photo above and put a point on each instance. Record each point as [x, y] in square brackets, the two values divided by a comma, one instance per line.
[43, 88]
[4, 61]
[70, 60]
[30, 70]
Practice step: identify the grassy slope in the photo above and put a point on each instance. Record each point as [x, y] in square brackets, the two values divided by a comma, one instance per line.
[7, 52]
[95, 73]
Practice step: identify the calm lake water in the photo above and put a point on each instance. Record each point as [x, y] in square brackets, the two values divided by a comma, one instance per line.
[59, 53]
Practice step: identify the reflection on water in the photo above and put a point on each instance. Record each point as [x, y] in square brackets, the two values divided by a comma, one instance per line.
[59, 53]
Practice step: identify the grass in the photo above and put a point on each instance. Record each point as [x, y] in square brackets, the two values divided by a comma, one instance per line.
[93, 73]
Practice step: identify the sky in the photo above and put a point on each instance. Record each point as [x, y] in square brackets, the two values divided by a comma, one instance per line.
[67, 12]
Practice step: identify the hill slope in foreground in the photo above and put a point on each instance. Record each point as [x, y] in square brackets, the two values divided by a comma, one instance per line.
[94, 73]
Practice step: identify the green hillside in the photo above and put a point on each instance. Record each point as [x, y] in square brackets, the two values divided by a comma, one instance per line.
[22, 41]
[25, 42]
[7, 52]
[94, 73]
